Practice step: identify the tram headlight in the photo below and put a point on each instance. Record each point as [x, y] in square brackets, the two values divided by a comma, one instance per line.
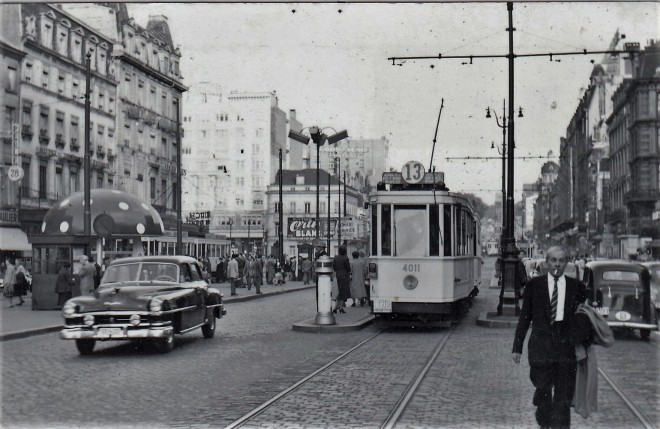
[410, 282]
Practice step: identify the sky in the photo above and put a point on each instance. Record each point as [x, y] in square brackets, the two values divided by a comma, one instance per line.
[329, 62]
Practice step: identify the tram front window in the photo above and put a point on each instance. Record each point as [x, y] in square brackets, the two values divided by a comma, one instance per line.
[410, 231]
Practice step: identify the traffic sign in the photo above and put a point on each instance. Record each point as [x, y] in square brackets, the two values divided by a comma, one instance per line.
[15, 173]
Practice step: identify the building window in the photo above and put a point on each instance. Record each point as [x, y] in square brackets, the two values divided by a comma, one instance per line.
[292, 207]
[62, 41]
[9, 118]
[99, 180]
[27, 72]
[45, 77]
[152, 188]
[60, 83]
[76, 47]
[12, 85]
[42, 181]
[308, 207]
[47, 33]
[163, 192]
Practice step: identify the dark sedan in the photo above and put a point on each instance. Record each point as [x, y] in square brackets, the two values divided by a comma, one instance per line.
[149, 297]
[620, 291]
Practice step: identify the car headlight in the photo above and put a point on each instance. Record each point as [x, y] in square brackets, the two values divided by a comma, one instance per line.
[135, 319]
[155, 305]
[88, 320]
[69, 308]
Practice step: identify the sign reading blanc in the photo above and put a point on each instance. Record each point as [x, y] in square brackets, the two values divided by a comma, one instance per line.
[302, 227]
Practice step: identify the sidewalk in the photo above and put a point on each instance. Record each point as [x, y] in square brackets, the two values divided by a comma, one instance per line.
[21, 321]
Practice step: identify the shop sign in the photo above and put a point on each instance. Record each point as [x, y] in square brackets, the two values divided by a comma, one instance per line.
[306, 227]
[8, 217]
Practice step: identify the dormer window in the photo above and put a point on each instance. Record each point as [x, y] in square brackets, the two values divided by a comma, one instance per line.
[47, 30]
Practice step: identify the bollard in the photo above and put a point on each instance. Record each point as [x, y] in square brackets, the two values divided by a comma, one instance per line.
[324, 271]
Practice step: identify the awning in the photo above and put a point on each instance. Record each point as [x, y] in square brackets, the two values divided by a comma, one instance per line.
[13, 239]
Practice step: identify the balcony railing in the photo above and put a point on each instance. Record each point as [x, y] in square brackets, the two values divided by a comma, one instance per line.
[74, 146]
[641, 195]
[100, 152]
[26, 131]
[111, 155]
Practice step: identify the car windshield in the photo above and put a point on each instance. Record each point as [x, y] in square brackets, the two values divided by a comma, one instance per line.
[141, 272]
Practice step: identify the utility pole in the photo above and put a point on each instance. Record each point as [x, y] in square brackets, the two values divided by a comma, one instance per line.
[281, 217]
[87, 222]
[179, 221]
[339, 202]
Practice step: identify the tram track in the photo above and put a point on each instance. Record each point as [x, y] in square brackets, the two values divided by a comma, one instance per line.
[630, 403]
[392, 416]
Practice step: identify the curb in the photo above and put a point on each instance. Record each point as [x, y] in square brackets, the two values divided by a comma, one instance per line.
[309, 326]
[54, 328]
[492, 320]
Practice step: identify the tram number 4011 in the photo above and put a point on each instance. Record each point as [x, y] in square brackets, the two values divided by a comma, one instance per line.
[412, 268]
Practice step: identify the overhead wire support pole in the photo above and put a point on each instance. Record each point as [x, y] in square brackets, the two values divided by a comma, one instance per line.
[435, 136]
[87, 221]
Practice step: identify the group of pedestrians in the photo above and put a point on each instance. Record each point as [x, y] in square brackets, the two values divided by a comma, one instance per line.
[15, 283]
[351, 275]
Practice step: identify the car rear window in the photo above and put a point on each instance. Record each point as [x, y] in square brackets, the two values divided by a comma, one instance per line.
[627, 276]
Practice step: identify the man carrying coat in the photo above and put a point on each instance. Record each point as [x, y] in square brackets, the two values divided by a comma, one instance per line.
[549, 304]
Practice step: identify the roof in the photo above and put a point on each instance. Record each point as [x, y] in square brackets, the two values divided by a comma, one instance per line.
[614, 265]
[289, 177]
[173, 259]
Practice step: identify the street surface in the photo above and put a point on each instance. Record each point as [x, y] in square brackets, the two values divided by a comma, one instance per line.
[255, 355]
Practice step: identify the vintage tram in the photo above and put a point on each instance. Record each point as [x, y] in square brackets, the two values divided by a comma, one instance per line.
[425, 262]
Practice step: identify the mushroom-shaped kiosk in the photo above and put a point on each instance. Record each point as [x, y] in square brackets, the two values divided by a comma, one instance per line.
[114, 214]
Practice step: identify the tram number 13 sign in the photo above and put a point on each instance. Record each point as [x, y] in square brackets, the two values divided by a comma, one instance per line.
[413, 172]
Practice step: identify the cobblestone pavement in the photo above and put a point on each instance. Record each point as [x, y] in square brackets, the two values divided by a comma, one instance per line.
[201, 383]
[359, 391]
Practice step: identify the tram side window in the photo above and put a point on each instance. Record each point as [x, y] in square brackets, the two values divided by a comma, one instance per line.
[374, 230]
[434, 230]
[460, 231]
[386, 225]
[448, 229]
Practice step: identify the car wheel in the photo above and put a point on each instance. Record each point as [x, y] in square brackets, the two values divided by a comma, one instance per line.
[645, 334]
[85, 347]
[209, 329]
[165, 345]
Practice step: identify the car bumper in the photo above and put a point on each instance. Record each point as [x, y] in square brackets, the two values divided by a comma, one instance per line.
[123, 333]
[633, 325]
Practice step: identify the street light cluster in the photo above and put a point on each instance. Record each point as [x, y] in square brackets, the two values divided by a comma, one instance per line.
[319, 138]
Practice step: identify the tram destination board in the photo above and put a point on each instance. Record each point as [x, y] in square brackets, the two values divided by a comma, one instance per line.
[396, 178]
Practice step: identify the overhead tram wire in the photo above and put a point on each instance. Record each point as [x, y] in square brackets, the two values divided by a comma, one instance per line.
[483, 56]
[487, 158]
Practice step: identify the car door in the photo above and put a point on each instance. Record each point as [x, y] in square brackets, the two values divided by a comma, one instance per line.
[199, 296]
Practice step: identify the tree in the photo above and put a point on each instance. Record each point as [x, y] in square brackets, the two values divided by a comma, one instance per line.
[479, 206]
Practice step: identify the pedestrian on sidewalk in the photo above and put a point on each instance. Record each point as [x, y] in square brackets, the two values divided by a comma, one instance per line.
[549, 304]
[306, 270]
[9, 281]
[342, 268]
[86, 274]
[21, 287]
[258, 274]
[64, 284]
[270, 269]
[233, 274]
[251, 273]
[358, 274]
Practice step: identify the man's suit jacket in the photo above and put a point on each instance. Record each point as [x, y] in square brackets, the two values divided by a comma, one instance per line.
[546, 343]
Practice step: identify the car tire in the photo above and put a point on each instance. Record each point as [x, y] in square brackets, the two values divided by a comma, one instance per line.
[208, 330]
[165, 345]
[645, 334]
[85, 347]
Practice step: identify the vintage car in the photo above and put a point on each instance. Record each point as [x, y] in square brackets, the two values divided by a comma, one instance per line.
[620, 291]
[654, 271]
[149, 297]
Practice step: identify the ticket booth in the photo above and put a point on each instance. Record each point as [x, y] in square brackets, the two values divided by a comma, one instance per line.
[115, 216]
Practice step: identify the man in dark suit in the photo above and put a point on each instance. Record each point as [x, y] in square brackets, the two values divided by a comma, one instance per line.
[549, 303]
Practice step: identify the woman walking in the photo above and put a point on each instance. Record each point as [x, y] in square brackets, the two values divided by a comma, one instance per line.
[64, 284]
[358, 274]
[9, 282]
[342, 268]
[22, 285]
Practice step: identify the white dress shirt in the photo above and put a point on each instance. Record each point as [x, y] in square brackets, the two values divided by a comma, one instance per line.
[561, 294]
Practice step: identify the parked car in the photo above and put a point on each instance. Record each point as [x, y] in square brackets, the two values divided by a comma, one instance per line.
[621, 292]
[148, 297]
[654, 271]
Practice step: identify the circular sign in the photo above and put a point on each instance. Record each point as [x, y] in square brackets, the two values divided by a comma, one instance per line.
[15, 173]
[104, 225]
[623, 316]
[413, 172]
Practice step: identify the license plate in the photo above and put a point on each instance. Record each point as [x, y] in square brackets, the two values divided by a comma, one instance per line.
[603, 311]
[382, 305]
[111, 332]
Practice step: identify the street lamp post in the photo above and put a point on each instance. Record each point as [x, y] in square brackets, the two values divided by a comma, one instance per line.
[319, 139]
[339, 201]
[179, 221]
[87, 222]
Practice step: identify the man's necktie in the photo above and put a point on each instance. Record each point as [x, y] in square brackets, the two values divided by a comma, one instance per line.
[554, 301]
